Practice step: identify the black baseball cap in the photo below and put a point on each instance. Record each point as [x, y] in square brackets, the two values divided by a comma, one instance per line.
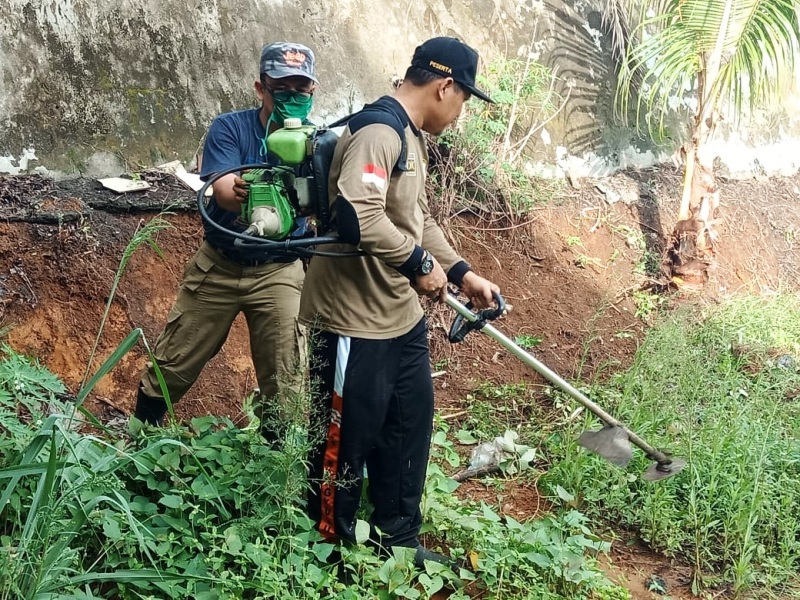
[284, 59]
[450, 57]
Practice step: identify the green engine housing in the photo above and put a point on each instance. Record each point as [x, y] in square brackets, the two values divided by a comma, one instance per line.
[278, 187]
[268, 187]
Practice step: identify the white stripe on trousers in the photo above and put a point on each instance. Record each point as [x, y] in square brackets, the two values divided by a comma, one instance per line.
[342, 354]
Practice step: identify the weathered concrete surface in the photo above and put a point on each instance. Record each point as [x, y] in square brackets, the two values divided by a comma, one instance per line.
[101, 87]
[141, 80]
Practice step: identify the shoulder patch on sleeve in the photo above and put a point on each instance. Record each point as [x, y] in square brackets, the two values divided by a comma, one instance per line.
[375, 175]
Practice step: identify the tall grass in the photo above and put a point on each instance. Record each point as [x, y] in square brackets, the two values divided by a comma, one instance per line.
[145, 235]
[722, 388]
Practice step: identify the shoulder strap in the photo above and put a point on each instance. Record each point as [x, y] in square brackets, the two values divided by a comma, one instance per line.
[324, 144]
[379, 113]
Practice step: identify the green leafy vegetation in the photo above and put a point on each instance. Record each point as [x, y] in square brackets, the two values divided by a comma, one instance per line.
[719, 388]
[545, 558]
[210, 511]
[527, 341]
[647, 304]
[494, 409]
[479, 163]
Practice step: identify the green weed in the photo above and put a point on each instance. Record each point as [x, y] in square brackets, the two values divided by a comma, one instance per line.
[479, 163]
[716, 388]
[493, 409]
[527, 341]
[649, 264]
[574, 240]
[210, 511]
[551, 557]
[647, 304]
[145, 235]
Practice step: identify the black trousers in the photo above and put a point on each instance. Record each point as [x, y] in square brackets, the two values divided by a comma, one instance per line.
[373, 405]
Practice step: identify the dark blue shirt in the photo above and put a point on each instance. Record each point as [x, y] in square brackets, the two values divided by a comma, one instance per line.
[234, 139]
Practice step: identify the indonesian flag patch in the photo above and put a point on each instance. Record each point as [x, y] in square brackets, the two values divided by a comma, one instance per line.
[375, 175]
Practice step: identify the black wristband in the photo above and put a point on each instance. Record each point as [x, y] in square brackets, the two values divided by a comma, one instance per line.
[456, 273]
[408, 268]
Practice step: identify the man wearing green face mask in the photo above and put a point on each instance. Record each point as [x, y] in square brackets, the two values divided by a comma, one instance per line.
[223, 279]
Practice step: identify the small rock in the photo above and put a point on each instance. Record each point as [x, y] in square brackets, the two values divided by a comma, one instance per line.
[574, 180]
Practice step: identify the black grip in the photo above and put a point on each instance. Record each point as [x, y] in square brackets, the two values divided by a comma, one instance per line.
[462, 326]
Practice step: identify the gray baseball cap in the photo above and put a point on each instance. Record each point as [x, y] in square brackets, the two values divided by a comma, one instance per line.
[284, 59]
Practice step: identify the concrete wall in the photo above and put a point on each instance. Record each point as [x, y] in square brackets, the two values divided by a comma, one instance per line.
[87, 81]
[100, 87]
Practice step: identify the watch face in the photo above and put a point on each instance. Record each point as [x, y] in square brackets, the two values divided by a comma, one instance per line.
[426, 266]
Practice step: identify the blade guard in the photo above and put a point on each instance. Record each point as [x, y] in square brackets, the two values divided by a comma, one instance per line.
[609, 442]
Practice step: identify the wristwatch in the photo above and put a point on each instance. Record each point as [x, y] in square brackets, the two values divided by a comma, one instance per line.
[425, 266]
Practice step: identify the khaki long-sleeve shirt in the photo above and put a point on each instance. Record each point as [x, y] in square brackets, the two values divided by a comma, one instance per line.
[385, 212]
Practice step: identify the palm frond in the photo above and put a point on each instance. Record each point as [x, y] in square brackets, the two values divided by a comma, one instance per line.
[617, 21]
[667, 64]
[758, 40]
[761, 66]
[705, 19]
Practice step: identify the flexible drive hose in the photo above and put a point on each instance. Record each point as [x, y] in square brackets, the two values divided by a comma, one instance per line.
[300, 247]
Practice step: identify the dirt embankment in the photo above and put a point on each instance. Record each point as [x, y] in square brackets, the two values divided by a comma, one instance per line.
[572, 275]
[577, 275]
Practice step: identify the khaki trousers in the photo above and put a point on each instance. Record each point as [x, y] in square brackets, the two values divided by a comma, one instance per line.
[213, 292]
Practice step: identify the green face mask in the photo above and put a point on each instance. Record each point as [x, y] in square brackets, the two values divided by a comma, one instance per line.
[290, 105]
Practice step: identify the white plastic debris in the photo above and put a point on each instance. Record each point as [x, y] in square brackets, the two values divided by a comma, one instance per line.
[122, 185]
[190, 180]
[485, 455]
[503, 452]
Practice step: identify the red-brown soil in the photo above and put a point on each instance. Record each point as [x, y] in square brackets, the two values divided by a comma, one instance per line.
[569, 274]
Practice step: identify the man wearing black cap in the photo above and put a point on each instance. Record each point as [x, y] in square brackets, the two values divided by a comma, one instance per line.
[370, 358]
[223, 279]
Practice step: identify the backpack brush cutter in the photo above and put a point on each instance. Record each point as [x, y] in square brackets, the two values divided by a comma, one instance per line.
[613, 441]
[278, 195]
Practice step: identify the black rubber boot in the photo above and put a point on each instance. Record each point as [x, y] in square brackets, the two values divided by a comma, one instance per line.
[150, 410]
[273, 435]
[422, 554]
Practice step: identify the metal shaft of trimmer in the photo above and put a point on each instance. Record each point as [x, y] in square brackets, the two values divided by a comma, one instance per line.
[558, 381]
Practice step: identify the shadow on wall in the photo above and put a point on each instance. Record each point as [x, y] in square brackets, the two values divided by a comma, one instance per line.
[143, 81]
[579, 47]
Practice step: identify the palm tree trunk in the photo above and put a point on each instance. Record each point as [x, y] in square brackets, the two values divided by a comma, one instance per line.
[688, 177]
[692, 239]
[691, 249]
